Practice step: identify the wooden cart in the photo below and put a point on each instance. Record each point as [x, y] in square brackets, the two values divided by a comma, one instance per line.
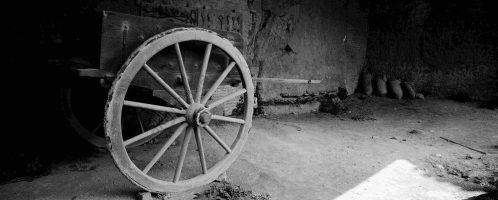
[163, 89]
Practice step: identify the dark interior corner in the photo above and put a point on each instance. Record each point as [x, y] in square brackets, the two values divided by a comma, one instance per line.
[446, 48]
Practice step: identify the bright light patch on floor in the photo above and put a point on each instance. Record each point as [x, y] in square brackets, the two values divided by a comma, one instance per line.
[401, 180]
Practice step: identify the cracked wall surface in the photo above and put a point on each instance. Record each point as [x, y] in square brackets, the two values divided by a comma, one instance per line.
[317, 40]
[291, 39]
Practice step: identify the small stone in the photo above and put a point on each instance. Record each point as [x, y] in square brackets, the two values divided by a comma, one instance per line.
[162, 196]
[476, 174]
[223, 177]
[419, 96]
[416, 131]
[454, 171]
[144, 196]
[393, 138]
[403, 140]
[336, 100]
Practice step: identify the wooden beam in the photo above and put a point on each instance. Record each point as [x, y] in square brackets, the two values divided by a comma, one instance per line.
[285, 80]
[94, 73]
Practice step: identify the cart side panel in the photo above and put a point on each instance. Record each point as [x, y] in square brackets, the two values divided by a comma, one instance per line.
[122, 33]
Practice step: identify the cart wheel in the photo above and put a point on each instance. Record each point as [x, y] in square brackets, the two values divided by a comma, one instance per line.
[181, 169]
[82, 106]
[73, 101]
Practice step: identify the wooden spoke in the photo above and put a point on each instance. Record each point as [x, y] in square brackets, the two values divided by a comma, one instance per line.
[205, 62]
[198, 140]
[139, 119]
[217, 83]
[183, 152]
[153, 107]
[97, 127]
[186, 85]
[228, 119]
[224, 99]
[165, 85]
[191, 115]
[218, 139]
[168, 143]
[154, 130]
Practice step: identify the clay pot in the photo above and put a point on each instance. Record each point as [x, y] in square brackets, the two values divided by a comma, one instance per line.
[408, 91]
[394, 87]
[366, 83]
[380, 86]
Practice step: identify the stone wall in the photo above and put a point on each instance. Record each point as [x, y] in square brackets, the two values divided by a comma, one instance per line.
[445, 48]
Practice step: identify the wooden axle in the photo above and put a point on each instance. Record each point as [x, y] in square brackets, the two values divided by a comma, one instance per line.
[285, 80]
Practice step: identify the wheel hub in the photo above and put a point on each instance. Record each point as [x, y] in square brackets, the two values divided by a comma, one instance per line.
[198, 115]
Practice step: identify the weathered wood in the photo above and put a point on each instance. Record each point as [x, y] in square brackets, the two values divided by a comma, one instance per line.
[217, 83]
[165, 86]
[154, 130]
[202, 76]
[153, 107]
[125, 79]
[183, 153]
[217, 139]
[200, 148]
[94, 73]
[451, 141]
[224, 99]
[228, 119]
[86, 131]
[165, 147]
[185, 80]
[173, 79]
[122, 33]
[286, 80]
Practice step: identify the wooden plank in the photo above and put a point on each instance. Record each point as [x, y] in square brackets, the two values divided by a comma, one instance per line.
[173, 79]
[122, 33]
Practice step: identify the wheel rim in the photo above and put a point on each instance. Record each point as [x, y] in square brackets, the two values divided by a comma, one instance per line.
[92, 132]
[87, 132]
[194, 112]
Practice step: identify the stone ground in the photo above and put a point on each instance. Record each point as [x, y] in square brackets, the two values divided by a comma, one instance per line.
[392, 149]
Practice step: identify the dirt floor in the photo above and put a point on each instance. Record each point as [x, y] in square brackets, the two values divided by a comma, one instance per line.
[325, 156]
